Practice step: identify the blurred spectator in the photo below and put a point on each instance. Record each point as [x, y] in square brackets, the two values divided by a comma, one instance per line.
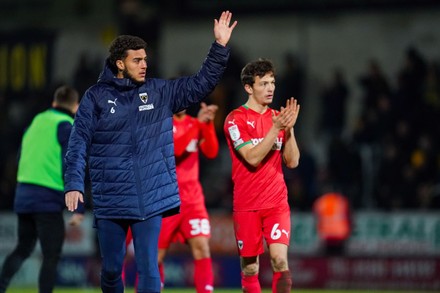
[374, 125]
[290, 81]
[388, 175]
[414, 72]
[411, 79]
[374, 84]
[431, 86]
[334, 99]
[431, 99]
[333, 223]
[231, 85]
[344, 168]
[85, 74]
[302, 185]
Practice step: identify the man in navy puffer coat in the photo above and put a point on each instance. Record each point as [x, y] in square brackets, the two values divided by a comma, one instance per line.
[123, 128]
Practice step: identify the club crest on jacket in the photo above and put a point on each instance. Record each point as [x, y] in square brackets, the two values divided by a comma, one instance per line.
[143, 97]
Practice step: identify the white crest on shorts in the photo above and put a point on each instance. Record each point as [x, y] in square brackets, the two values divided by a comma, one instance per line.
[234, 132]
[240, 244]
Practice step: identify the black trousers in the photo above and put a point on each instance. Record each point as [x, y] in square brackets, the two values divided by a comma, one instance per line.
[49, 229]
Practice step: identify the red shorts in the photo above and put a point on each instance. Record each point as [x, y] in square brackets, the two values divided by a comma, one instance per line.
[251, 227]
[191, 222]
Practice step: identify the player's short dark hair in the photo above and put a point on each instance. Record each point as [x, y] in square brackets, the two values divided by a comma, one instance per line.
[255, 68]
[66, 97]
[119, 47]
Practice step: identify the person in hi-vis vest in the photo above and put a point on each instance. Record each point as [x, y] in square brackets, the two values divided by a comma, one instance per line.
[333, 222]
[39, 195]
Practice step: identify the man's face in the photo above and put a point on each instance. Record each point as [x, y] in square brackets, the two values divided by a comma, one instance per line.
[134, 66]
[263, 89]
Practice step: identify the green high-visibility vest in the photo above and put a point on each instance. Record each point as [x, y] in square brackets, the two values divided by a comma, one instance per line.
[41, 159]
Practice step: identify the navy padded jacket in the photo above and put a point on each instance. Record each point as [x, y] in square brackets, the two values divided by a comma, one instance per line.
[124, 130]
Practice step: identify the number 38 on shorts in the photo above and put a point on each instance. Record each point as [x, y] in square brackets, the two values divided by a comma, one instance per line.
[200, 227]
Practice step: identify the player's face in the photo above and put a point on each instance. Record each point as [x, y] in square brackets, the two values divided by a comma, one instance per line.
[134, 66]
[263, 89]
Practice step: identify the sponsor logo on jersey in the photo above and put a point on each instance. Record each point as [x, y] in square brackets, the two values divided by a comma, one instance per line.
[240, 244]
[277, 145]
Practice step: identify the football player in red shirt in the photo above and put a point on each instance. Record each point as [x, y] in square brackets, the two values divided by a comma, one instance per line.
[192, 225]
[260, 139]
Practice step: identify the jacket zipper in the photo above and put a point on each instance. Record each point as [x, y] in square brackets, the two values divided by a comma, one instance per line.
[135, 165]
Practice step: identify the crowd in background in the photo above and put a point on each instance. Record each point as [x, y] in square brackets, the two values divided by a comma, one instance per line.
[390, 160]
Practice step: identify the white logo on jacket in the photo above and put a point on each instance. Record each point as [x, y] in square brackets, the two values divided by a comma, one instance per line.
[146, 107]
[112, 110]
[143, 97]
[112, 102]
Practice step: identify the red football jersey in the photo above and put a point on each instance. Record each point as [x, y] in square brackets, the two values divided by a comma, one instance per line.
[260, 187]
[189, 136]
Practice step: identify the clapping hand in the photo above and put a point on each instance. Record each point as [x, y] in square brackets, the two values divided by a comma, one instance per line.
[206, 113]
[287, 116]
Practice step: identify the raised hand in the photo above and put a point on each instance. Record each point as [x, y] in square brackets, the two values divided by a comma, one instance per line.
[222, 29]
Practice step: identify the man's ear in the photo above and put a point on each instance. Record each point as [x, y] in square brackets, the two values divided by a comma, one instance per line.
[120, 65]
[248, 89]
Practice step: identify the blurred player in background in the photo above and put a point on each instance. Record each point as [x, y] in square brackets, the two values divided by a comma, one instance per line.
[39, 196]
[192, 225]
[260, 139]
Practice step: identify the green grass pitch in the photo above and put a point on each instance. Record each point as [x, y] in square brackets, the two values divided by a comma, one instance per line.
[191, 290]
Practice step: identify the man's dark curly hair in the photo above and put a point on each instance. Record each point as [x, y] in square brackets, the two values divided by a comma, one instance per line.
[255, 68]
[120, 45]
